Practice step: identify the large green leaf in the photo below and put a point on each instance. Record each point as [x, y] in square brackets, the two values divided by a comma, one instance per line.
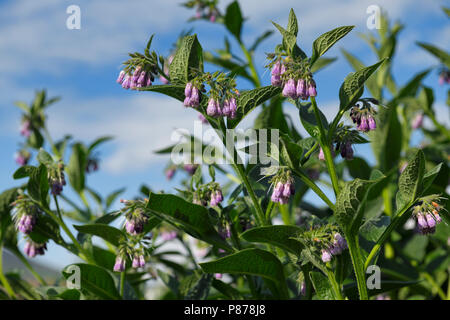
[174, 91]
[38, 184]
[437, 52]
[251, 99]
[353, 86]
[279, 235]
[96, 280]
[77, 167]
[234, 19]
[410, 182]
[254, 262]
[322, 286]
[192, 218]
[188, 57]
[324, 42]
[108, 233]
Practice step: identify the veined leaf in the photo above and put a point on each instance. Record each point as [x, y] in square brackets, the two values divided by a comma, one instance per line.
[234, 19]
[410, 180]
[174, 91]
[188, 57]
[323, 43]
[108, 233]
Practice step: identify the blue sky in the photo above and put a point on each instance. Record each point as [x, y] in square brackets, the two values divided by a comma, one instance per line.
[81, 66]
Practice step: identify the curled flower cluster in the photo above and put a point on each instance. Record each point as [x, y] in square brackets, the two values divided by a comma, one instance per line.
[209, 193]
[33, 248]
[190, 168]
[138, 261]
[217, 109]
[427, 215]
[192, 96]
[92, 165]
[294, 86]
[204, 10]
[56, 179]
[136, 218]
[22, 157]
[363, 118]
[336, 247]
[141, 77]
[346, 149]
[120, 264]
[283, 188]
[26, 214]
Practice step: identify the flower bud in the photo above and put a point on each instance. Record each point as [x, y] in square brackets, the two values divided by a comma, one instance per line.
[211, 110]
[301, 89]
[290, 89]
[120, 77]
[417, 121]
[119, 265]
[364, 126]
[321, 154]
[312, 89]
[326, 256]
[372, 122]
[195, 98]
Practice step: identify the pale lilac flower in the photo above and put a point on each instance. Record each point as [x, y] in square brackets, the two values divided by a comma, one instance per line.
[312, 89]
[119, 265]
[26, 223]
[301, 89]
[290, 89]
[417, 121]
[168, 235]
[326, 256]
[120, 77]
[372, 123]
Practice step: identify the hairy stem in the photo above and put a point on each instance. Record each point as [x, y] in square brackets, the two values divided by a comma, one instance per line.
[314, 188]
[324, 140]
[251, 65]
[122, 283]
[358, 265]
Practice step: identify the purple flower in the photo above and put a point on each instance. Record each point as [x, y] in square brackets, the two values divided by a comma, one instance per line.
[195, 98]
[364, 125]
[301, 89]
[417, 121]
[212, 109]
[32, 248]
[142, 261]
[216, 198]
[57, 184]
[326, 256]
[188, 90]
[135, 263]
[170, 173]
[347, 150]
[312, 88]
[275, 78]
[119, 265]
[233, 108]
[135, 226]
[26, 223]
[190, 168]
[321, 154]
[430, 221]
[202, 118]
[335, 250]
[212, 17]
[218, 275]
[120, 77]
[224, 232]
[290, 89]
[25, 128]
[340, 241]
[22, 157]
[372, 122]
[126, 82]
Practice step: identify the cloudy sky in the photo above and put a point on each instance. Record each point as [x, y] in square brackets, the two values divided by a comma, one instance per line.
[38, 51]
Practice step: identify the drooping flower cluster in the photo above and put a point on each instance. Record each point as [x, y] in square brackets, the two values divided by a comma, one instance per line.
[283, 187]
[295, 81]
[136, 218]
[218, 109]
[427, 216]
[334, 248]
[204, 9]
[210, 193]
[364, 117]
[192, 95]
[120, 263]
[345, 149]
[190, 168]
[168, 235]
[56, 179]
[26, 214]
[92, 165]
[22, 157]
[141, 77]
[167, 63]
[33, 248]
[224, 231]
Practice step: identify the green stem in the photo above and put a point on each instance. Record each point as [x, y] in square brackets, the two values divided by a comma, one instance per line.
[358, 265]
[308, 153]
[439, 126]
[314, 188]
[50, 141]
[269, 210]
[334, 285]
[326, 148]
[391, 227]
[435, 286]
[122, 283]
[3, 279]
[249, 58]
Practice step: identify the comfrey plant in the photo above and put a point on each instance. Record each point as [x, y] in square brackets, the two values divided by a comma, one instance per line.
[248, 230]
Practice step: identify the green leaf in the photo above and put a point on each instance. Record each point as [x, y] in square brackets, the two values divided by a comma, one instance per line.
[77, 167]
[188, 57]
[38, 184]
[353, 86]
[323, 43]
[108, 233]
[251, 261]
[430, 176]
[113, 196]
[233, 19]
[46, 228]
[289, 38]
[410, 89]
[44, 157]
[358, 168]
[174, 91]
[292, 26]
[251, 99]
[192, 218]
[260, 39]
[321, 286]
[437, 52]
[201, 288]
[98, 142]
[96, 280]
[308, 119]
[291, 153]
[410, 181]
[278, 235]
[23, 172]
[227, 290]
